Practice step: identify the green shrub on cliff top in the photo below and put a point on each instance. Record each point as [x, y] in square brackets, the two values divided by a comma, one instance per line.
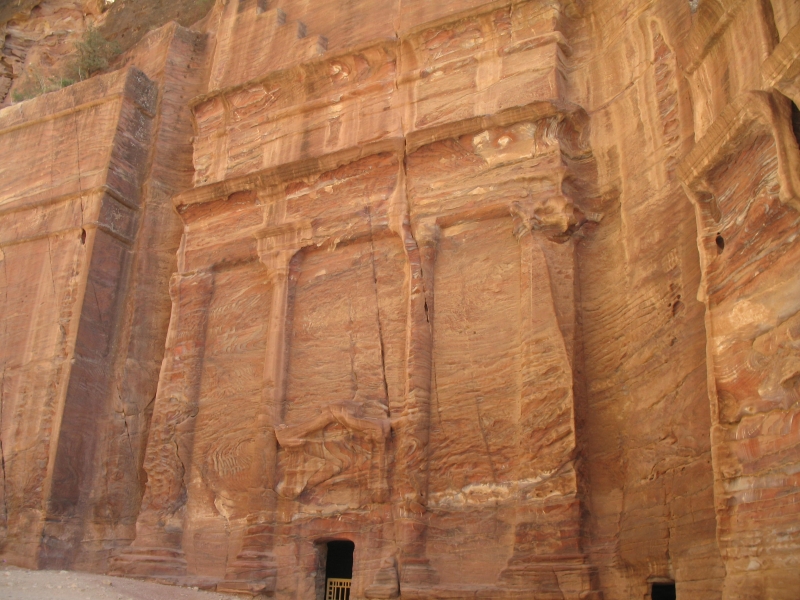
[94, 53]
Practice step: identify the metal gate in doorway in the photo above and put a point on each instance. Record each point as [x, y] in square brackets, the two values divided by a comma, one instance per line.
[337, 589]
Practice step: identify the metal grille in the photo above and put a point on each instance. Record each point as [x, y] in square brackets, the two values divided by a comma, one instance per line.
[337, 589]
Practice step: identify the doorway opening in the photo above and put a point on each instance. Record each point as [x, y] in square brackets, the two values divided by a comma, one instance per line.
[339, 570]
[663, 591]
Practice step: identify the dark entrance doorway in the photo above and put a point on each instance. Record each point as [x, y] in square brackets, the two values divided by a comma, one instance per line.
[663, 591]
[339, 570]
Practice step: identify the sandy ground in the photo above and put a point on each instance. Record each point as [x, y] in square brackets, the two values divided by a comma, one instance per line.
[22, 584]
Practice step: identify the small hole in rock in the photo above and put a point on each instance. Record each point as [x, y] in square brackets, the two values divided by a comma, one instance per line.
[677, 307]
[720, 242]
[83, 236]
[796, 122]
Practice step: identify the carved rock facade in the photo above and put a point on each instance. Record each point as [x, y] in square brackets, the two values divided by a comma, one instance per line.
[502, 292]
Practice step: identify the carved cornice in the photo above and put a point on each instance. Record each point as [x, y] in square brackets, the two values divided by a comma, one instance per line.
[750, 114]
[281, 174]
[573, 140]
[535, 111]
[315, 69]
[782, 69]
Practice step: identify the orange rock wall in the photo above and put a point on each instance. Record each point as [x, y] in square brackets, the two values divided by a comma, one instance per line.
[69, 222]
[502, 292]
[646, 435]
[89, 245]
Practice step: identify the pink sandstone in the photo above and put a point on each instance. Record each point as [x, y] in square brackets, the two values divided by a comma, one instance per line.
[503, 292]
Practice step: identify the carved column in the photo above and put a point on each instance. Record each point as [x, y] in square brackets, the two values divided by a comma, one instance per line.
[278, 264]
[157, 550]
[546, 373]
[254, 569]
[412, 427]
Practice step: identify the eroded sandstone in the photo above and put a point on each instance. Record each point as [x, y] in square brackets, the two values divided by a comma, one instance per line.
[502, 292]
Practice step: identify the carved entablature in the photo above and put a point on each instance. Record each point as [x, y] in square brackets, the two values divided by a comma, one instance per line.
[782, 69]
[338, 104]
[481, 64]
[454, 73]
[527, 164]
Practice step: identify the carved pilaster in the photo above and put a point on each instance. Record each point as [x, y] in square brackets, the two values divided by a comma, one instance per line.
[253, 571]
[157, 550]
[412, 427]
[546, 551]
[278, 266]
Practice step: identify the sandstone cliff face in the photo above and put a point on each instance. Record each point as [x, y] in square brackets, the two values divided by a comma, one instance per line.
[502, 292]
[89, 243]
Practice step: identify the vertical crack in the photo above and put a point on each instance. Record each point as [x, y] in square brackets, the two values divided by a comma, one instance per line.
[181, 500]
[2, 453]
[435, 390]
[475, 387]
[377, 305]
[353, 374]
[128, 435]
[5, 301]
[52, 275]
[97, 304]
[78, 167]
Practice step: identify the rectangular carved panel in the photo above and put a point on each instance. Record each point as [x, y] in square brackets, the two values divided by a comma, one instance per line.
[475, 401]
[346, 343]
[476, 358]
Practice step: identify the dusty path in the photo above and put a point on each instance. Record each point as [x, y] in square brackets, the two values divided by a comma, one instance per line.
[22, 584]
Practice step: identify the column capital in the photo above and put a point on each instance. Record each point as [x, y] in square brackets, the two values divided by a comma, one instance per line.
[179, 282]
[278, 263]
[427, 233]
[554, 216]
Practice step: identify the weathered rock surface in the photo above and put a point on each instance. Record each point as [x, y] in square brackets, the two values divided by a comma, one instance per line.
[504, 292]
